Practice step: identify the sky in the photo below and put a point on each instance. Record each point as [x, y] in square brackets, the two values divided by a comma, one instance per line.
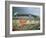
[26, 10]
